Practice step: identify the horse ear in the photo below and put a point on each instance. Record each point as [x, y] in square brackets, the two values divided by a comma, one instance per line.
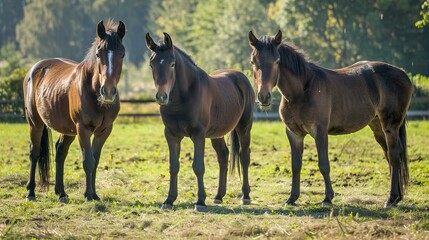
[278, 38]
[101, 31]
[167, 40]
[150, 43]
[121, 29]
[253, 41]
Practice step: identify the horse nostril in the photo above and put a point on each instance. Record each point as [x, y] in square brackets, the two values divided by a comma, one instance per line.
[264, 98]
[161, 97]
[114, 91]
[102, 90]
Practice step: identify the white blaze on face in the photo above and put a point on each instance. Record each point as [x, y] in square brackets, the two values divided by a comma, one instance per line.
[162, 60]
[109, 63]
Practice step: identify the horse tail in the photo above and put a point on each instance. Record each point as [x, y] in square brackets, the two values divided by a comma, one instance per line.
[246, 89]
[403, 161]
[44, 160]
[235, 153]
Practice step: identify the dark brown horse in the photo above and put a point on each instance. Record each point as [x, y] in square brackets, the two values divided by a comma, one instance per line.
[319, 101]
[198, 105]
[74, 99]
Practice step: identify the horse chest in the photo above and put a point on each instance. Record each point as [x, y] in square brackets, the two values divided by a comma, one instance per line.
[291, 116]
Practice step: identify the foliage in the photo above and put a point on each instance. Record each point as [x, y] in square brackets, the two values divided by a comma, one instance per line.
[132, 181]
[11, 90]
[421, 85]
[135, 14]
[333, 33]
[421, 89]
[339, 33]
[45, 31]
[11, 59]
[425, 15]
[11, 77]
[220, 29]
[11, 12]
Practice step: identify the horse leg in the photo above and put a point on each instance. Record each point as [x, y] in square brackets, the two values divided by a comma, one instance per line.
[174, 149]
[62, 147]
[297, 147]
[322, 151]
[88, 160]
[376, 128]
[35, 149]
[398, 164]
[198, 139]
[97, 145]
[222, 153]
[244, 139]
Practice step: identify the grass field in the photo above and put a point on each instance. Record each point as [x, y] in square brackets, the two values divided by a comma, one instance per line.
[133, 175]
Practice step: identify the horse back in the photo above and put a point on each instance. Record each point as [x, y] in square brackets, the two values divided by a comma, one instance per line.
[46, 88]
[227, 98]
[384, 82]
[238, 79]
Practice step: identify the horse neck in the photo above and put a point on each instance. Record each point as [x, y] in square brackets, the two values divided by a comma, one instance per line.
[187, 74]
[291, 85]
[89, 76]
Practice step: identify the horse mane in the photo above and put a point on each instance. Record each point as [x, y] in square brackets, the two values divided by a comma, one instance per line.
[292, 57]
[163, 47]
[111, 28]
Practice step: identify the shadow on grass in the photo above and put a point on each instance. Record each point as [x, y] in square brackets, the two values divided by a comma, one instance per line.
[309, 210]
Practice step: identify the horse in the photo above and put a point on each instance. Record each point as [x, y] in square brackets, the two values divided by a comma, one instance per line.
[74, 99]
[198, 105]
[319, 101]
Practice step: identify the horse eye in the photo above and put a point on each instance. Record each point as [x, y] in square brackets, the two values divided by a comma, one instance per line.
[173, 64]
[97, 55]
[251, 62]
[123, 55]
[277, 61]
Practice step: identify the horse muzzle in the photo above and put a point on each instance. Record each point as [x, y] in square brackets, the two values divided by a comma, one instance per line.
[162, 98]
[264, 99]
[108, 97]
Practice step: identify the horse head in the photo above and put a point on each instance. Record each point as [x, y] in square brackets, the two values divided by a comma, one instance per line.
[162, 62]
[109, 54]
[265, 60]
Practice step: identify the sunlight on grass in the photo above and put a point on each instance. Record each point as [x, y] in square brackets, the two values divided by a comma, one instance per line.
[133, 180]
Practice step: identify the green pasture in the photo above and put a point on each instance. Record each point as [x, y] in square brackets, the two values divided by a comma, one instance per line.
[133, 177]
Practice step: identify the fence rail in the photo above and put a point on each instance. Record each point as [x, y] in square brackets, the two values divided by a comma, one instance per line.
[257, 115]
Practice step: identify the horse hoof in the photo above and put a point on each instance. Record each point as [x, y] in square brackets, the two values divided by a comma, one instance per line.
[388, 205]
[217, 201]
[326, 204]
[96, 197]
[200, 208]
[290, 204]
[245, 201]
[64, 199]
[31, 198]
[166, 206]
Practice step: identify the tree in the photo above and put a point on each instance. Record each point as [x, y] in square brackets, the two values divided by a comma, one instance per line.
[53, 28]
[136, 16]
[337, 33]
[425, 15]
[214, 31]
[11, 77]
[11, 12]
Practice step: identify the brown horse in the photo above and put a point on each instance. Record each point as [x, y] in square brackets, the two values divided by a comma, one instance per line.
[74, 99]
[198, 105]
[319, 101]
